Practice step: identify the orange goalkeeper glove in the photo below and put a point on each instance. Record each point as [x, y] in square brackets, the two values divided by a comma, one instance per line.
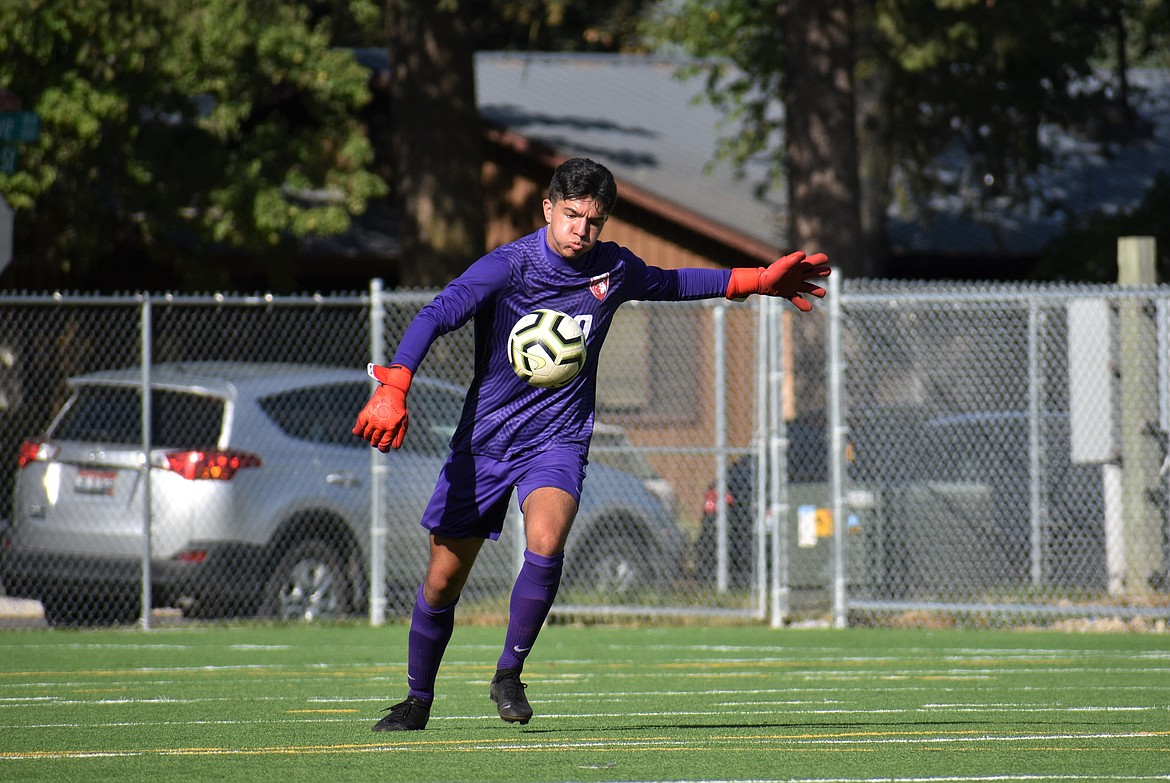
[790, 277]
[383, 422]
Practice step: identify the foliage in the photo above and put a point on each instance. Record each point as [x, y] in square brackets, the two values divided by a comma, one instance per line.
[1087, 251]
[171, 131]
[969, 82]
[432, 144]
[558, 25]
[981, 79]
[351, 22]
[981, 74]
[1147, 31]
[738, 48]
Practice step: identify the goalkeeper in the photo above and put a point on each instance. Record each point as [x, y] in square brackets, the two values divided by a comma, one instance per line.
[517, 437]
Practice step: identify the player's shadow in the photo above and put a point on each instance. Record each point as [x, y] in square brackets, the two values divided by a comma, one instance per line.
[820, 726]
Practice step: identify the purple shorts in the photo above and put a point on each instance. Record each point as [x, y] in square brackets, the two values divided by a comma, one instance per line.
[473, 491]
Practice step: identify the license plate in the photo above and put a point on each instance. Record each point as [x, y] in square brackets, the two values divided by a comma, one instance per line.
[95, 482]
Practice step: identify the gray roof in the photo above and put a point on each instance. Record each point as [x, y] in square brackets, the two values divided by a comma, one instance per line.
[633, 114]
[224, 378]
[630, 113]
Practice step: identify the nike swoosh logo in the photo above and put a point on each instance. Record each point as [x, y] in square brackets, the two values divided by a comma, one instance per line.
[521, 649]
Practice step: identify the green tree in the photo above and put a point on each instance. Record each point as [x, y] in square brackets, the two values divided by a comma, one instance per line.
[1087, 250]
[433, 140]
[558, 25]
[174, 134]
[783, 70]
[824, 190]
[432, 143]
[982, 78]
[974, 80]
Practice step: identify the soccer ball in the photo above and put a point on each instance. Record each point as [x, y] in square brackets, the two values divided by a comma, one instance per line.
[547, 348]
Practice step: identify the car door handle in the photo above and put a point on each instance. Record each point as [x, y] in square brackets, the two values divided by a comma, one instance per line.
[343, 478]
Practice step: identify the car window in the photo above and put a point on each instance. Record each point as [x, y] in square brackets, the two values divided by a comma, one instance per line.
[326, 414]
[113, 414]
[438, 409]
[318, 414]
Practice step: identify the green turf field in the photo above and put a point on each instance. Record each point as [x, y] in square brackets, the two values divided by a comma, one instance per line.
[294, 704]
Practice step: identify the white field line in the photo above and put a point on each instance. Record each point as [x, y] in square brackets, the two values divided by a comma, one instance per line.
[827, 681]
[942, 683]
[935, 779]
[933, 710]
[704, 744]
[842, 691]
[820, 690]
[812, 696]
[360, 716]
[54, 700]
[795, 650]
[769, 652]
[95, 646]
[761, 653]
[988, 671]
[905, 653]
[815, 657]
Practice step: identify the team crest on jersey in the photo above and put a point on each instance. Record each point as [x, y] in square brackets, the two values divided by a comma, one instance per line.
[600, 286]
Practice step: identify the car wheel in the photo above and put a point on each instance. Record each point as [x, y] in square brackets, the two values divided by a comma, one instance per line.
[613, 560]
[309, 583]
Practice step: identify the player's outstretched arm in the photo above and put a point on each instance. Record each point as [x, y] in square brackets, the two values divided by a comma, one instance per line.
[793, 277]
[382, 423]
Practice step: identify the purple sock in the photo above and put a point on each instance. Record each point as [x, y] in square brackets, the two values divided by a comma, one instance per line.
[532, 597]
[430, 630]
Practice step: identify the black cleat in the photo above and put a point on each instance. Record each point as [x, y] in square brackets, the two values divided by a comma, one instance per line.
[508, 693]
[410, 715]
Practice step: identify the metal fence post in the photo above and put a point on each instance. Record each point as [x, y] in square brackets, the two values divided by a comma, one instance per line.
[1162, 315]
[378, 469]
[719, 314]
[778, 491]
[1035, 418]
[147, 446]
[835, 379]
[762, 445]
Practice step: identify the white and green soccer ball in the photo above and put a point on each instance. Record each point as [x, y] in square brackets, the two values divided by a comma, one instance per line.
[547, 348]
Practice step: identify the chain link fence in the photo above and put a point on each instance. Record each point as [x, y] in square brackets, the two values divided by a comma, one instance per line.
[239, 490]
[978, 453]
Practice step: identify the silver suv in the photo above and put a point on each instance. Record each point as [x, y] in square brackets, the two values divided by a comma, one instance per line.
[260, 500]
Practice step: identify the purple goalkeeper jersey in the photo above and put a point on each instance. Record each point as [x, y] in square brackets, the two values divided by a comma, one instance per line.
[503, 415]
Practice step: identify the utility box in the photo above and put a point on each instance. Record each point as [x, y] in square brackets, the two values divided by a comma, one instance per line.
[1092, 381]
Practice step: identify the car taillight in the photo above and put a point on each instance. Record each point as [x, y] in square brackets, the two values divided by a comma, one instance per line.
[34, 451]
[215, 465]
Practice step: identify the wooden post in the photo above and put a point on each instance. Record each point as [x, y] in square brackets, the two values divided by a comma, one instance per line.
[1140, 455]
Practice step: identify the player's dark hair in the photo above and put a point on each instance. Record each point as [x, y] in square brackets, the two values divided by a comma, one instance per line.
[583, 178]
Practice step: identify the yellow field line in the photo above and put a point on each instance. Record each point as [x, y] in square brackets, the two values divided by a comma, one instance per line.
[653, 744]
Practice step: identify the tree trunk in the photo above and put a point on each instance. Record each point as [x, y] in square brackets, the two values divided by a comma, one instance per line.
[823, 184]
[435, 141]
